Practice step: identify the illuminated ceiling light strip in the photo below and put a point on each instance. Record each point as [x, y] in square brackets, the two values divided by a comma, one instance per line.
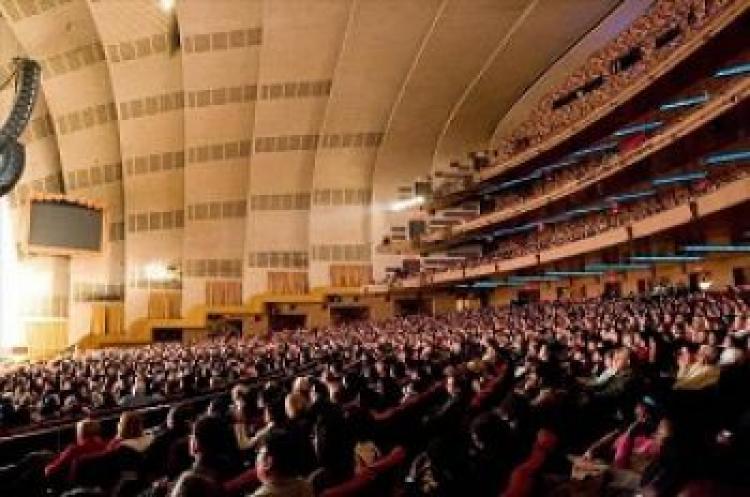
[666, 258]
[637, 128]
[567, 274]
[558, 165]
[666, 180]
[586, 210]
[533, 278]
[685, 102]
[487, 284]
[617, 267]
[732, 70]
[631, 196]
[716, 248]
[595, 149]
[726, 157]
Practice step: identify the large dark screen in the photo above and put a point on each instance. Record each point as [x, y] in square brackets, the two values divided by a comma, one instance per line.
[65, 226]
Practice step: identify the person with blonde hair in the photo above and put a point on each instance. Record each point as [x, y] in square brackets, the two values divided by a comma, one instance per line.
[295, 405]
[130, 433]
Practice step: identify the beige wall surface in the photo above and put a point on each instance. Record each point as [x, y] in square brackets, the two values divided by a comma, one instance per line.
[243, 141]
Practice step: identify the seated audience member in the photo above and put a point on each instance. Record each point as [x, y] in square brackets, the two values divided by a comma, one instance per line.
[447, 416]
[610, 395]
[298, 427]
[366, 451]
[88, 441]
[191, 484]
[139, 396]
[276, 466]
[697, 368]
[637, 446]
[169, 453]
[123, 454]
[130, 433]
[439, 471]
[274, 416]
[334, 449]
[214, 450]
[491, 455]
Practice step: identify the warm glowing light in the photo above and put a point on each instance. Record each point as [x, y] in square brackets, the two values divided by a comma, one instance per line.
[11, 326]
[705, 285]
[167, 5]
[402, 205]
[157, 271]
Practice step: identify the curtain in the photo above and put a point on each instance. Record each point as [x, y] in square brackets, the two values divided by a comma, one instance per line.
[98, 324]
[115, 322]
[287, 282]
[222, 293]
[164, 304]
[350, 275]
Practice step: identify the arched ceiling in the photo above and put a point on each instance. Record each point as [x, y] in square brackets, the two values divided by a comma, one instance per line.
[235, 137]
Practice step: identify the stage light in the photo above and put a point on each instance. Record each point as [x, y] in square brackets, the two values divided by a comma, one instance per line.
[167, 5]
[157, 271]
[403, 205]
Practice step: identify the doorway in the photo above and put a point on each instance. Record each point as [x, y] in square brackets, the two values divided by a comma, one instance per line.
[349, 314]
[281, 322]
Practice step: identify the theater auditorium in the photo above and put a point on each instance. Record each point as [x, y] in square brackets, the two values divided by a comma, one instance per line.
[374, 248]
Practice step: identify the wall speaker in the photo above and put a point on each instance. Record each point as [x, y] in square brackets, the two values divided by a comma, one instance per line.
[12, 153]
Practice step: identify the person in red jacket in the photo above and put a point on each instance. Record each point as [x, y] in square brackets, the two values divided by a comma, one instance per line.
[87, 442]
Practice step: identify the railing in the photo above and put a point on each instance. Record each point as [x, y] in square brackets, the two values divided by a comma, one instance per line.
[675, 57]
[729, 195]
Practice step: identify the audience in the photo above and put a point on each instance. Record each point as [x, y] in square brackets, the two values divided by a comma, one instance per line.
[486, 401]
[686, 17]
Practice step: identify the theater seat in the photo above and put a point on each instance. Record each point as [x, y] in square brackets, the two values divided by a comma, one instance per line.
[486, 394]
[523, 478]
[106, 468]
[395, 458]
[357, 486]
[246, 482]
[371, 481]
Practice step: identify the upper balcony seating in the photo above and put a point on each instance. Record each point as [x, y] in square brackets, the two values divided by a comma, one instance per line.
[589, 92]
[644, 45]
[665, 192]
[611, 154]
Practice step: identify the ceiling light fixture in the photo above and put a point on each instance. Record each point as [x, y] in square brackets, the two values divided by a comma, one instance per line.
[167, 5]
[402, 205]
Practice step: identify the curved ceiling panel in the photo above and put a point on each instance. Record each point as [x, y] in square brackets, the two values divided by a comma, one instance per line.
[221, 44]
[504, 78]
[302, 42]
[380, 44]
[146, 78]
[463, 36]
[600, 34]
